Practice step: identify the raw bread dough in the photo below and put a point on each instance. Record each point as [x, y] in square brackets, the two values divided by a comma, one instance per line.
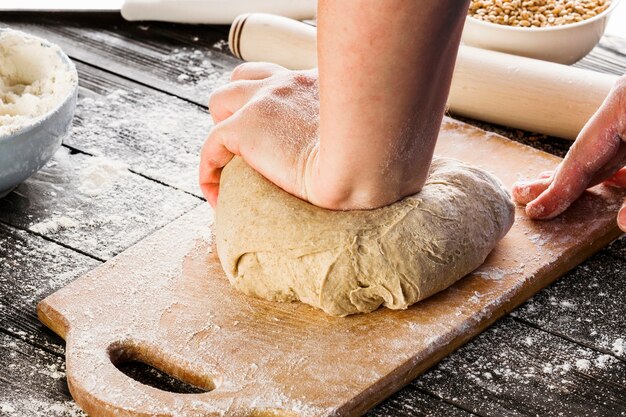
[275, 246]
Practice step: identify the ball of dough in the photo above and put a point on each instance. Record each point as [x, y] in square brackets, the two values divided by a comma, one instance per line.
[275, 246]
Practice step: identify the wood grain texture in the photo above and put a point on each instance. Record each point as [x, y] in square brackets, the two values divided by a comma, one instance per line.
[45, 399]
[157, 135]
[514, 370]
[413, 402]
[31, 268]
[608, 57]
[550, 144]
[296, 360]
[71, 203]
[584, 307]
[618, 248]
[32, 382]
[184, 61]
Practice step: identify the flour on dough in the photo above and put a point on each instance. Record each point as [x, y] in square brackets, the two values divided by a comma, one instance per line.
[275, 246]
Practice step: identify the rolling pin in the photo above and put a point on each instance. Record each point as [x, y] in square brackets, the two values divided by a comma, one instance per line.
[212, 11]
[508, 90]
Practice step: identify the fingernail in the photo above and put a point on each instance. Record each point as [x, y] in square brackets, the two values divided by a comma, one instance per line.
[522, 189]
[535, 211]
[621, 219]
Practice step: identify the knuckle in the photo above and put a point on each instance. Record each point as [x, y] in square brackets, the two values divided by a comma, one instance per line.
[239, 71]
[213, 101]
[288, 83]
[222, 95]
[217, 96]
[304, 79]
[266, 106]
[282, 91]
[214, 134]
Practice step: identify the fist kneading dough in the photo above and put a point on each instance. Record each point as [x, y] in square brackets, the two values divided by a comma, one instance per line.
[275, 246]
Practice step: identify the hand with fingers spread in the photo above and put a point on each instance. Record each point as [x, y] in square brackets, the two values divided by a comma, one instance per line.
[362, 134]
[597, 156]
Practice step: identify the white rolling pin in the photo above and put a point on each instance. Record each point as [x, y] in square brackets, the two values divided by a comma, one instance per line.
[509, 90]
[213, 11]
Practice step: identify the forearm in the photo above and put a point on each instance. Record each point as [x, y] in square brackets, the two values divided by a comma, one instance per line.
[385, 69]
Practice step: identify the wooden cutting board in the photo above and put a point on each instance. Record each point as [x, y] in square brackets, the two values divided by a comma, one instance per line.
[166, 302]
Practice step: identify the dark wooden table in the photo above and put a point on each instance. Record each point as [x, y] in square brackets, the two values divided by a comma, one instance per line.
[141, 119]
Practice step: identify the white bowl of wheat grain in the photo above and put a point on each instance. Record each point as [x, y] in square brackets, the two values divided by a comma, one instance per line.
[560, 31]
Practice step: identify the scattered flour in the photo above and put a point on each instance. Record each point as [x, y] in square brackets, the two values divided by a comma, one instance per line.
[476, 297]
[602, 360]
[198, 71]
[33, 79]
[54, 225]
[33, 407]
[583, 364]
[560, 369]
[618, 346]
[155, 145]
[496, 273]
[220, 45]
[538, 240]
[100, 175]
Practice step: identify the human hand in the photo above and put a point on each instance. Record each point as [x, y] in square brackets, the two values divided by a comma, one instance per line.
[598, 155]
[269, 116]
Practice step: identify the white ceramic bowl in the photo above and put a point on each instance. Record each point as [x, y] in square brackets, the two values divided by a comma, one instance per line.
[564, 44]
[25, 150]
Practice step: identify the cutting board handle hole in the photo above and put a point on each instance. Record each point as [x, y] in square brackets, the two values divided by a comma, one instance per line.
[150, 367]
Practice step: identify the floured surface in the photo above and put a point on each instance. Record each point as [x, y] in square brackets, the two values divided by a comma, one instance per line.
[167, 301]
[156, 135]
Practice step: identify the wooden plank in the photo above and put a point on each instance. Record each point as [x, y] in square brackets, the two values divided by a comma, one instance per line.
[187, 61]
[609, 56]
[152, 51]
[31, 268]
[514, 370]
[618, 248]
[92, 204]
[179, 322]
[33, 382]
[175, 31]
[550, 144]
[585, 306]
[413, 402]
[157, 135]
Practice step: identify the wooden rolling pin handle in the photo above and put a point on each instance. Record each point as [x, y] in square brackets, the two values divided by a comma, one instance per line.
[234, 35]
[271, 38]
[509, 90]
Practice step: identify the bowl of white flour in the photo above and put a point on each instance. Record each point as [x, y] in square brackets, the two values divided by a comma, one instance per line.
[38, 89]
